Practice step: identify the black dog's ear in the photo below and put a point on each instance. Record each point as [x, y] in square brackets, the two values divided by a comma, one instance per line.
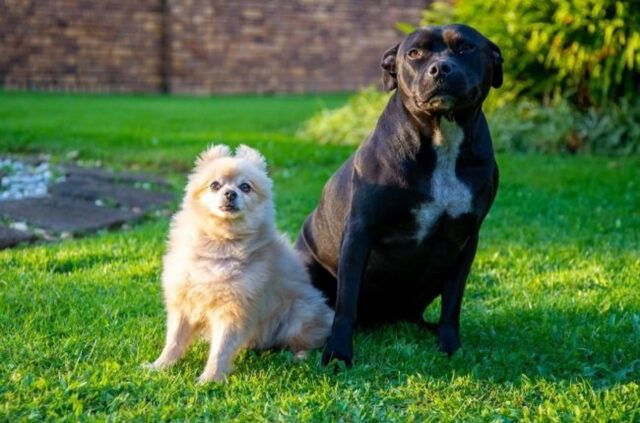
[389, 73]
[496, 56]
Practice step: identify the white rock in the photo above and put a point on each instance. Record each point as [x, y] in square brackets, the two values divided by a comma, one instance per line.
[19, 226]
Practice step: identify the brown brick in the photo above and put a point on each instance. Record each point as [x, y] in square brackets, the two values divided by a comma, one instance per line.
[210, 46]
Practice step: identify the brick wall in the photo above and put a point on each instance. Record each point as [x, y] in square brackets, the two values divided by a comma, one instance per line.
[84, 45]
[197, 46]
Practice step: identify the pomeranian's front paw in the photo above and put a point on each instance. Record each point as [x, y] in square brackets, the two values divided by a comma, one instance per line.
[211, 377]
[149, 366]
[301, 355]
[157, 365]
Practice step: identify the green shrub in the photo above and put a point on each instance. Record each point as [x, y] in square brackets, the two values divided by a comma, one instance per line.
[615, 130]
[349, 124]
[587, 51]
[526, 126]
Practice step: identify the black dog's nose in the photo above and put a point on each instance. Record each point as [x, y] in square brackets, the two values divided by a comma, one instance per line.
[440, 69]
[231, 195]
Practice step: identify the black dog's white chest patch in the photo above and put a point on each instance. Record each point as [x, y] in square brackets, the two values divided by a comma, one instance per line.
[448, 194]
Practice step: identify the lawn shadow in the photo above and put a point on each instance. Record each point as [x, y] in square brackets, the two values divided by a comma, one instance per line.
[503, 346]
[79, 262]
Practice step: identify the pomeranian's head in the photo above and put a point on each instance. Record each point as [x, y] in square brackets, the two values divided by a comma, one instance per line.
[230, 188]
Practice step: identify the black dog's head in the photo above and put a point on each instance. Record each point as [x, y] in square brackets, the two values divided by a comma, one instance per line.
[439, 69]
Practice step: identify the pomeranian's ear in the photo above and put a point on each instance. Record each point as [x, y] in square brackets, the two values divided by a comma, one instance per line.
[212, 153]
[252, 156]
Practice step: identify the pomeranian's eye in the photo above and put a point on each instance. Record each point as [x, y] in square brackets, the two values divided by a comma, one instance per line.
[215, 186]
[245, 187]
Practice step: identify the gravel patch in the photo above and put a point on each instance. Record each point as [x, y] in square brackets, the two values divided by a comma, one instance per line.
[22, 180]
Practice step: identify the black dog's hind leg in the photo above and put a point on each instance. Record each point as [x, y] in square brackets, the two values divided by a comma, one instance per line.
[449, 325]
[419, 303]
[321, 278]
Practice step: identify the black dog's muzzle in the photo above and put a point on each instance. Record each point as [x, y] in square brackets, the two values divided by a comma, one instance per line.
[440, 70]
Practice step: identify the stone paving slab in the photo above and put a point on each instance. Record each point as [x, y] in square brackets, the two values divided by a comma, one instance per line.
[111, 194]
[64, 214]
[77, 200]
[11, 237]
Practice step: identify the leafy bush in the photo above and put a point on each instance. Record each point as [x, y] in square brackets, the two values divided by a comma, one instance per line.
[587, 51]
[615, 130]
[526, 126]
[349, 124]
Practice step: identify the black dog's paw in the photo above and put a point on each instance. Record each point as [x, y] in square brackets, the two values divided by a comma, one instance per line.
[340, 351]
[448, 339]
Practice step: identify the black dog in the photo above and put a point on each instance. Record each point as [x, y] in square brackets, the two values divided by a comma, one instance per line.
[397, 224]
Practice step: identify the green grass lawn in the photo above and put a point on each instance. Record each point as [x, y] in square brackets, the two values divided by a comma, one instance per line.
[550, 322]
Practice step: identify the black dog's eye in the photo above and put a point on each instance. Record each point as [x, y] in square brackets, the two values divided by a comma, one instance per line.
[414, 54]
[245, 187]
[215, 186]
[466, 48]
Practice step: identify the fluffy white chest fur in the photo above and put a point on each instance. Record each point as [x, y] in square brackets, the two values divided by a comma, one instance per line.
[449, 194]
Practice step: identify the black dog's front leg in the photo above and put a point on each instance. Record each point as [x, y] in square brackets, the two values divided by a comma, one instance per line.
[449, 326]
[354, 255]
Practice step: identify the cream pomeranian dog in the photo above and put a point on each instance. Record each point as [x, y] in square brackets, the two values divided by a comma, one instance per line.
[228, 275]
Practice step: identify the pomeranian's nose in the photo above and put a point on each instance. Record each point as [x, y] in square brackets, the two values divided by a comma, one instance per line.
[230, 195]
